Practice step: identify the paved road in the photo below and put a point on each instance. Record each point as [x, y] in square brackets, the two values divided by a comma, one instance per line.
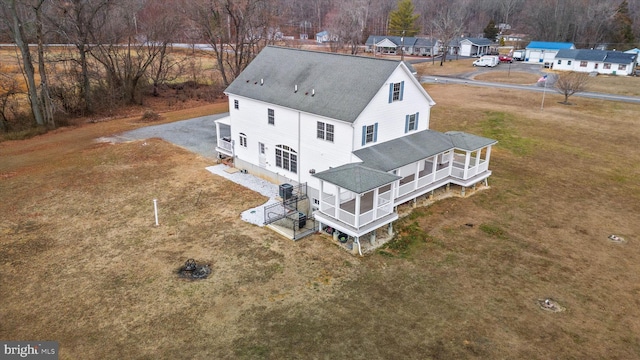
[197, 135]
[467, 78]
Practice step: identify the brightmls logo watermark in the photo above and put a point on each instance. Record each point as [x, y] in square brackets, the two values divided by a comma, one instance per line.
[41, 350]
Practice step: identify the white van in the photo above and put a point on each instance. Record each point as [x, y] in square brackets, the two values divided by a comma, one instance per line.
[487, 60]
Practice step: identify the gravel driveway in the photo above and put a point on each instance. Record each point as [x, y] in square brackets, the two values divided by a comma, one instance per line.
[197, 135]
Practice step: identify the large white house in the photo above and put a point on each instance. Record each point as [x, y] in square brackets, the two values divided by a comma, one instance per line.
[595, 61]
[348, 133]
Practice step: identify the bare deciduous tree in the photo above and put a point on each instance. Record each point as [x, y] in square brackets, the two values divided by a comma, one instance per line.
[19, 15]
[79, 22]
[235, 30]
[448, 24]
[570, 83]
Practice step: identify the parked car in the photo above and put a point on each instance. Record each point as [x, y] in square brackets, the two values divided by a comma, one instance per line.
[505, 58]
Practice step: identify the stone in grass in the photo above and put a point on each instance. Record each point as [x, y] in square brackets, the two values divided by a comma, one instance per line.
[616, 238]
[549, 304]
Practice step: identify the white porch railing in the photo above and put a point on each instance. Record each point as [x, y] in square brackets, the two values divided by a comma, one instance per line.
[386, 199]
[384, 208]
[225, 145]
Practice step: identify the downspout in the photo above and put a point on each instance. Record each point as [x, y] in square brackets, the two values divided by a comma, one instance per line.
[299, 149]
[357, 241]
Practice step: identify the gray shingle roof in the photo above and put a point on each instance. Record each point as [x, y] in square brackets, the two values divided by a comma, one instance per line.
[408, 149]
[478, 41]
[468, 142]
[332, 85]
[356, 177]
[614, 57]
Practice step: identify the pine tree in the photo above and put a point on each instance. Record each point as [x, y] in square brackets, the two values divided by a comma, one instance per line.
[402, 21]
[491, 31]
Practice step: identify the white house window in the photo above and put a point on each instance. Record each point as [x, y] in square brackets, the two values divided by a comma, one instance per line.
[606, 66]
[395, 91]
[568, 62]
[271, 117]
[411, 122]
[262, 149]
[236, 104]
[595, 66]
[286, 158]
[369, 133]
[622, 67]
[583, 64]
[325, 131]
[243, 140]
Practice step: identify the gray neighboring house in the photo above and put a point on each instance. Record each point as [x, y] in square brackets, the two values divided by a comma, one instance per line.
[421, 46]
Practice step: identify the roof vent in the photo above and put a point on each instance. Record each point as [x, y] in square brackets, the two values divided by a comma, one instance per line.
[261, 82]
[313, 92]
[295, 88]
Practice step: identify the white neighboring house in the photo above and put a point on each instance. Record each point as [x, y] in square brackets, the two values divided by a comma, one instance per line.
[540, 52]
[634, 51]
[474, 46]
[350, 133]
[595, 61]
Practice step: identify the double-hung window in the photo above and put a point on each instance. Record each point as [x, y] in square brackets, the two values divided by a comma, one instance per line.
[271, 117]
[243, 140]
[396, 91]
[411, 122]
[325, 131]
[369, 133]
[236, 104]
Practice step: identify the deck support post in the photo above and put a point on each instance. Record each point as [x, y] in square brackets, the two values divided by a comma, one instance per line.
[390, 229]
[414, 203]
[463, 191]
[372, 239]
[431, 195]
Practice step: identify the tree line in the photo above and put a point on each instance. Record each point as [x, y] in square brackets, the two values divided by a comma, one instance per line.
[117, 48]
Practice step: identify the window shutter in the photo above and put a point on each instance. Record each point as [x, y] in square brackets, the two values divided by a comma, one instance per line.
[390, 93]
[364, 135]
[401, 89]
[406, 124]
[375, 132]
[417, 115]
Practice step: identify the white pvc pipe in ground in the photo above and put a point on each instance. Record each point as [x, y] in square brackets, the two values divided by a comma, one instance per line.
[155, 209]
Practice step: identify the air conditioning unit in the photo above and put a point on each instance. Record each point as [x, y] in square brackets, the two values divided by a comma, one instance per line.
[285, 191]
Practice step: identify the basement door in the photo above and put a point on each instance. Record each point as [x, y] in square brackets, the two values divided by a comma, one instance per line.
[262, 156]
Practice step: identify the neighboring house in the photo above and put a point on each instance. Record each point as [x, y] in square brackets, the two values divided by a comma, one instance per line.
[421, 46]
[635, 51]
[544, 51]
[474, 46]
[350, 135]
[324, 36]
[595, 61]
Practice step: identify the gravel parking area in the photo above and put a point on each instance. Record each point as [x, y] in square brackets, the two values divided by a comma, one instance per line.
[197, 135]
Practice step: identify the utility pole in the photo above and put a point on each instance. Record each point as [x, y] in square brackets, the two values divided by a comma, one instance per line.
[402, 48]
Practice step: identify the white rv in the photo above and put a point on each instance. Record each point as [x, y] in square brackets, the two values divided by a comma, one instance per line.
[487, 60]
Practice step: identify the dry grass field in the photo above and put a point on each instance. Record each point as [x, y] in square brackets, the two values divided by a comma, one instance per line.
[81, 261]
